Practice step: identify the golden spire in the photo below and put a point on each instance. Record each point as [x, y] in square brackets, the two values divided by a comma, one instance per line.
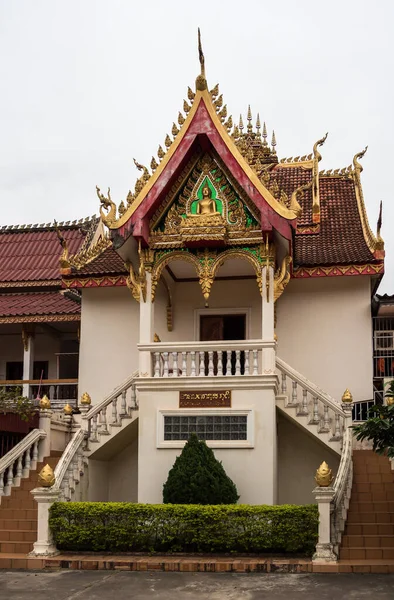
[273, 142]
[241, 124]
[65, 266]
[379, 240]
[258, 126]
[265, 134]
[181, 119]
[201, 82]
[249, 117]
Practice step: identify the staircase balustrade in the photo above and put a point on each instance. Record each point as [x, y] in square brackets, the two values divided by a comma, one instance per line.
[311, 401]
[18, 462]
[342, 491]
[70, 468]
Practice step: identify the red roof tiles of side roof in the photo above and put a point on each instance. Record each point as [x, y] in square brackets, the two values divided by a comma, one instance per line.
[107, 263]
[44, 303]
[291, 178]
[340, 239]
[34, 255]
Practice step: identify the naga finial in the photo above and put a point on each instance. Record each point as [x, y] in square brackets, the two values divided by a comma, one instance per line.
[379, 223]
[65, 267]
[320, 142]
[201, 82]
[106, 203]
[357, 166]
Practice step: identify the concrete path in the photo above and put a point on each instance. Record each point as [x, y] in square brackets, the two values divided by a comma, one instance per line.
[117, 585]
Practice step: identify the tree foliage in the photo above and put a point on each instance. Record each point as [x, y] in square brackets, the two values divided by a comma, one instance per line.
[12, 401]
[197, 477]
[379, 428]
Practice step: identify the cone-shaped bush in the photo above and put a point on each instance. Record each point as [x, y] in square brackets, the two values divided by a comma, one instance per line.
[197, 477]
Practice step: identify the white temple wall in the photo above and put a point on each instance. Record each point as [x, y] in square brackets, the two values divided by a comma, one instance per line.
[108, 342]
[253, 470]
[299, 455]
[324, 330]
[123, 475]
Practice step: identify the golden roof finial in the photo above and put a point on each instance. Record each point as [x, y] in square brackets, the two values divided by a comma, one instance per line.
[160, 152]
[249, 117]
[273, 142]
[65, 266]
[258, 126]
[357, 166]
[265, 134]
[241, 124]
[320, 142]
[201, 82]
[379, 227]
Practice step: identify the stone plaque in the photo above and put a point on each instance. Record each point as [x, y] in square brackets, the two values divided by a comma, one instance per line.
[216, 399]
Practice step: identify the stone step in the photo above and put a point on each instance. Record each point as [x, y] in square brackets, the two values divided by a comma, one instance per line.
[18, 524]
[15, 547]
[370, 517]
[18, 535]
[376, 553]
[368, 541]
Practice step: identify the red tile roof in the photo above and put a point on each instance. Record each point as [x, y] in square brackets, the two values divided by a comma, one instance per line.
[33, 255]
[44, 303]
[107, 263]
[340, 239]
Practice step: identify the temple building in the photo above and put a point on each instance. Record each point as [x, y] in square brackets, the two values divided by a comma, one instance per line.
[229, 294]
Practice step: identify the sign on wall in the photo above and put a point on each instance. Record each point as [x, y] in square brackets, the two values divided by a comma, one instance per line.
[196, 399]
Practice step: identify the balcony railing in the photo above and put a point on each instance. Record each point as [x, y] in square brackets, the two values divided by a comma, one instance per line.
[59, 391]
[207, 359]
[383, 346]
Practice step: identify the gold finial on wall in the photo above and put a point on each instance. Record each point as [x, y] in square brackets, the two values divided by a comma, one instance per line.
[347, 396]
[44, 403]
[85, 399]
[324, 475]
[68, 409]
[46, 477]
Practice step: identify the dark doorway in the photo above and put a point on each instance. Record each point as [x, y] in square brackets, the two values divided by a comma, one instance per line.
[216, 328]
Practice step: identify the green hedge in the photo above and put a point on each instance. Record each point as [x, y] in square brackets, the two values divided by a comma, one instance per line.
[127, 527]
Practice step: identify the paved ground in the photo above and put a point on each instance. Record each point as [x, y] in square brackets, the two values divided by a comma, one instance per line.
[93, 585]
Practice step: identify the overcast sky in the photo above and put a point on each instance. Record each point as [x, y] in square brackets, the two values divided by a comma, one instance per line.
[86, 85]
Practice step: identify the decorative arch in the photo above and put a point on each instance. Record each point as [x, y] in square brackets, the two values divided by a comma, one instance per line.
[242, 254]
[164, 260]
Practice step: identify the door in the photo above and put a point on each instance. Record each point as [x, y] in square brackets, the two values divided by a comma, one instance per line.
[221, 328]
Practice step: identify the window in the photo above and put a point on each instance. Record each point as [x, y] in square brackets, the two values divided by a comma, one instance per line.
[384, 340]
[230, 428]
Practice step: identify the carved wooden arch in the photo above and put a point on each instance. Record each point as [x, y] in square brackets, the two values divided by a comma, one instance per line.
[165, 260]
[242, 254]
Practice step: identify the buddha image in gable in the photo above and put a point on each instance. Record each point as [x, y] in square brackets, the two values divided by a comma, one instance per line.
[207, 204]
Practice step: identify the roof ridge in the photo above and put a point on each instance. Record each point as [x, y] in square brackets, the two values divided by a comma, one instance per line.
[76, 224]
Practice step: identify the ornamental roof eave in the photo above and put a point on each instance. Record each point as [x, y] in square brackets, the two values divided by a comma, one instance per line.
[202, 118]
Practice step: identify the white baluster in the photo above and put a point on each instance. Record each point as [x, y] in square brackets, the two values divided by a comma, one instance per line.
[184, 364]
[93, 435]
[66, 487]
[19, 467]
[255, 362]
[304, 406]
[103, 421]
[10, 479]
[284, 383]
[193, 363]
[115, 419]
[27, 463]
[35, 455]
[337, 433]
[210, 363]
[133, 398]
[228, 364]
[70, 475]
[237, 362]
[247, 362]
[123, 404]
[75, 468]
[326, 419]
[80, 460]
[315, 418]
[202, 364]
[157, 364]
[165, 369]
[2, 483]
[220, 363]
[62, 496]
[294, 396]
[175, 364]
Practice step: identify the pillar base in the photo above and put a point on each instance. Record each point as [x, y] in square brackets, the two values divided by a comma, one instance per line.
[44, 545]
[324, 552]
[43, 549]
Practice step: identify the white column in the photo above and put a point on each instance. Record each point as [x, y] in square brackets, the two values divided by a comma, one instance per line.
[146, 328]
[324, 547]
[267, 313]
[44, 423]
[44, 545]
[28, 361]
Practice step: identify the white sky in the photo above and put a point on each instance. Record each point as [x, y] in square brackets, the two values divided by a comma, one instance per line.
[86, 85]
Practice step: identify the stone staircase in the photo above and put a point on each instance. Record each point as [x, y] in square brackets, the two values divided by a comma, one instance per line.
[18, 513]
[369, 531]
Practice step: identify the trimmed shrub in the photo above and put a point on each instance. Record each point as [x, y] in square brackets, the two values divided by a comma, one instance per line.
[197, 477]
[127, 527]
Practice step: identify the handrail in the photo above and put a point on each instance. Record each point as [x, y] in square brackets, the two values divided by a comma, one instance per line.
[34, 436]
[342, 490]
[344, 465]
[310, 387]
[37, 381]
[68, 456]
[97, 408]
[204, 346]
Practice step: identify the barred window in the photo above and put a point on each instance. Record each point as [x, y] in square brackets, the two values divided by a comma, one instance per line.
[207, 427]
